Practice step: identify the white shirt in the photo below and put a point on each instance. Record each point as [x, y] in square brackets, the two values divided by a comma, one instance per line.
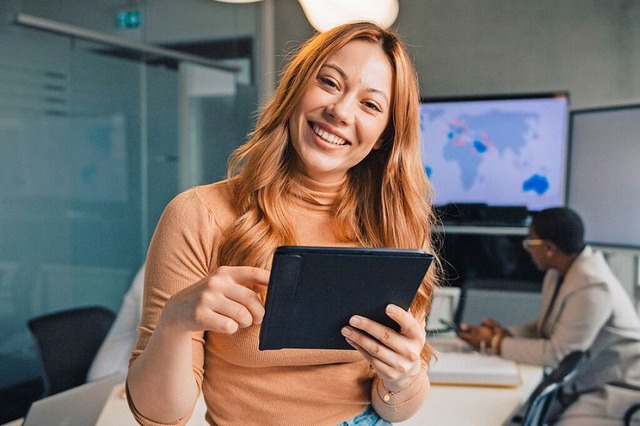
[114, 353]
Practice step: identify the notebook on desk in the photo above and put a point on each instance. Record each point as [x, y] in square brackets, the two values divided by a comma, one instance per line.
[458, 364]
[475, 369]
[79, 406]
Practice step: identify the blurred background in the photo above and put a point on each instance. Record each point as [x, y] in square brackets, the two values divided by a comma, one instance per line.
[109, 108]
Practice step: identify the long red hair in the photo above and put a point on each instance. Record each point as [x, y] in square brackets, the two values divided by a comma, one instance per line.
[386, 201]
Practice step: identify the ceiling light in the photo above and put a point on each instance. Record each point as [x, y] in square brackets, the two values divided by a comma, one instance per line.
[326, 14]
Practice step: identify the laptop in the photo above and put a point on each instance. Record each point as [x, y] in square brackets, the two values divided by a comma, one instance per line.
[80, 406]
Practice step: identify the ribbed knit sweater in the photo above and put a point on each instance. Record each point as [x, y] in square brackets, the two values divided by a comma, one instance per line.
[242, 385]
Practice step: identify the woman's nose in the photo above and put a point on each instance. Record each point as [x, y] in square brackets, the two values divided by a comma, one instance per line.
[342, 110]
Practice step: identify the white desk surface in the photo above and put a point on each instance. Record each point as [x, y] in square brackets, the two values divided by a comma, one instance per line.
[116, 412]
[475, 405]
[445, 406]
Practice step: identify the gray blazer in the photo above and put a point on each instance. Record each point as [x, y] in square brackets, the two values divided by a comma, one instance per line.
[592, 312]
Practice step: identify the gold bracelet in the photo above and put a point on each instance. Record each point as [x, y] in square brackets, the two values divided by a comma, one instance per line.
[387, 393]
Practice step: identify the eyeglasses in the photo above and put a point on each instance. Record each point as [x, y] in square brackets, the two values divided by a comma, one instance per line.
[527, 243]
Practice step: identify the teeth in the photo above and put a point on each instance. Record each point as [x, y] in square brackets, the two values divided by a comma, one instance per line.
[333, 139]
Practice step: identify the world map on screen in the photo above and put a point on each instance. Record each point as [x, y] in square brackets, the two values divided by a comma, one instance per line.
[497, 152]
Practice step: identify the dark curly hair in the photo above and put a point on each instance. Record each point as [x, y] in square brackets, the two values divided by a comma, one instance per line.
[562, 226]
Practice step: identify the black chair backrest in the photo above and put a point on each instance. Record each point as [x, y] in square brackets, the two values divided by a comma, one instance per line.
[67, 343]
[540, 399]
[567, 367]
[630, 413]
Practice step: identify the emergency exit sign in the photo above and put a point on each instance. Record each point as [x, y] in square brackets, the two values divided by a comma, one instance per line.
[126, 19]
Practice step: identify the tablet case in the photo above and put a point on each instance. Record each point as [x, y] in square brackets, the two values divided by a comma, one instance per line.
[313, 291]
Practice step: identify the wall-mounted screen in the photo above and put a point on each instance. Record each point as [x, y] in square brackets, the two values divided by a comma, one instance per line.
[497, 150]
[604, 173]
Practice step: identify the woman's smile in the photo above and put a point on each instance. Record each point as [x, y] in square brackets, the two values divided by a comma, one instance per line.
[329, 137]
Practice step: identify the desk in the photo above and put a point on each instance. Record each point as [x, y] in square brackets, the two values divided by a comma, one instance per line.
[445, 406]
[475, 405]
[116, 411]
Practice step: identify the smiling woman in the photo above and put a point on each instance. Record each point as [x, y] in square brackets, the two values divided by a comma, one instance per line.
[333, 161]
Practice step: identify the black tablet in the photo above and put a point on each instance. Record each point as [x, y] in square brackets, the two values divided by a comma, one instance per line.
[313, 291]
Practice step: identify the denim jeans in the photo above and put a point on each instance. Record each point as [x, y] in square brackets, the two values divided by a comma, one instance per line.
[367, 418]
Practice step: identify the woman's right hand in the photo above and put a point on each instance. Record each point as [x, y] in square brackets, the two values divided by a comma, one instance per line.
[222, 302]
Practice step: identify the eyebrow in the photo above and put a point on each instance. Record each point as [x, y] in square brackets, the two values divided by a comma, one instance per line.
[346, 78]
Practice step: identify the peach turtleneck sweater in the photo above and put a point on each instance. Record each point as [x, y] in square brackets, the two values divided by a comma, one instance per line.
[242, 385]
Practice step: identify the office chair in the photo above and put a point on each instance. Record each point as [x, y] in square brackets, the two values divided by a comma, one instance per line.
[630, 414]
[67, 341]
[540, 399]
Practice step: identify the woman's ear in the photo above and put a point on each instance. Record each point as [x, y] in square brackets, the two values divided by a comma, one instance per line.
[387, 135]
[551, 248]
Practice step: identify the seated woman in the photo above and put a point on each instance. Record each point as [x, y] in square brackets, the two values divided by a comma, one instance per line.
[584, 307]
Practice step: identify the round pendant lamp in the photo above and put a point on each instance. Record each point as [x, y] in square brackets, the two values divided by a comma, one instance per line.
[326, 14]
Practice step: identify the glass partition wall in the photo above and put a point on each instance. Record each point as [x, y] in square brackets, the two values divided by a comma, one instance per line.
[93, 144]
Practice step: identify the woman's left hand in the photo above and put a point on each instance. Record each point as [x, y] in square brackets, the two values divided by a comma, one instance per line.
[394, 355]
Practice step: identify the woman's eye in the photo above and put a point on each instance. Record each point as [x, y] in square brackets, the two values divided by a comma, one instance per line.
[328, 82]
[372, 106]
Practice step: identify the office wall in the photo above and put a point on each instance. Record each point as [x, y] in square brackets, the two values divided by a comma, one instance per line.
[89, 156]
[589, 47]
[163, 20]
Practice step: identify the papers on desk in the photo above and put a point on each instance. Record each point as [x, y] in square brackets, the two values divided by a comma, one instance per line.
[458, 364]
[116, 410]
[473, 368]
